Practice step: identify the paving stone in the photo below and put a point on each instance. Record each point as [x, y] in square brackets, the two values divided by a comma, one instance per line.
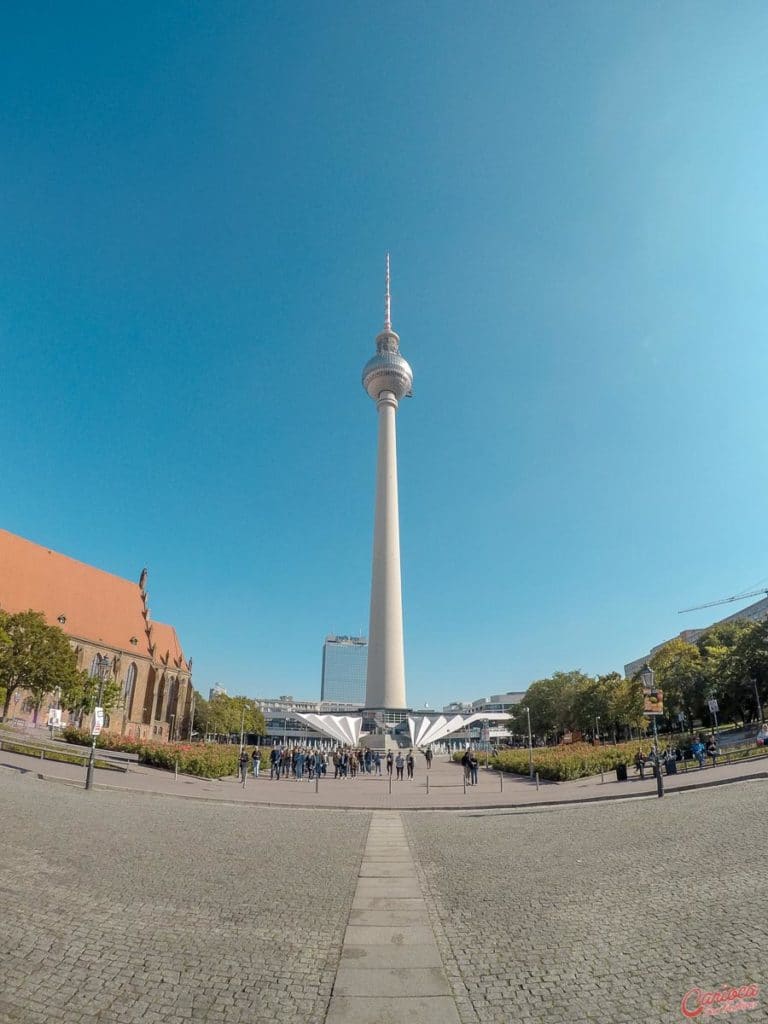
[424, 1010]
[390, 981]
[119, 908]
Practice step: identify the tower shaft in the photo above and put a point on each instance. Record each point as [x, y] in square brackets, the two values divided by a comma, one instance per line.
[385, 679]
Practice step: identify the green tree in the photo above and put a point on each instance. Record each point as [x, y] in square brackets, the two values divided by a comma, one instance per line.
[35, 657]
[627, 705]
[224, 716]
[551, 702]
[84, 692]
[200, 717]
[680, 673]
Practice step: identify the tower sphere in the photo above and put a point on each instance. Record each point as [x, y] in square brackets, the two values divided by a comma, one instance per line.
[387, 371]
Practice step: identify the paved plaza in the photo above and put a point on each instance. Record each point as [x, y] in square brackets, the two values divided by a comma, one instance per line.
[122, 908]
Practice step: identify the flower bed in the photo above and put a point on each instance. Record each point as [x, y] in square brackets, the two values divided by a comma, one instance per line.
[206, 760]
[564, 762]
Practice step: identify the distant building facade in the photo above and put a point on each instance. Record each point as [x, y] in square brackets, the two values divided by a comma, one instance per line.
[757, 612]
[345, 663]
[217, 690]
[102, 616]
[283, 725]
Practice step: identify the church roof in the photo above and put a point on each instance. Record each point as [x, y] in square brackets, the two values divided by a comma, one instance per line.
[94, 605]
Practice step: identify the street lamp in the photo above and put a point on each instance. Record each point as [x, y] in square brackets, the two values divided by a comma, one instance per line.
[242, 729]
[757, 698]
[530, 743]
[102, 670]
[597, 728]
[646, 678]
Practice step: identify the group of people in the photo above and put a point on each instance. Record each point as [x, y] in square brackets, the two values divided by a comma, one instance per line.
[307, 762]
[699, 750]
[470, 765]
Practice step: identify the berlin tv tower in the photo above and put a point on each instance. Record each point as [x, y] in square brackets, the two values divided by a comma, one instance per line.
[387, 378]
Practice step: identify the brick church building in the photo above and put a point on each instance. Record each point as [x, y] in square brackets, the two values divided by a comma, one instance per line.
[102, 614]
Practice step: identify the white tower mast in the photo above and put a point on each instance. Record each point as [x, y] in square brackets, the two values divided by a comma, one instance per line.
[387, 378]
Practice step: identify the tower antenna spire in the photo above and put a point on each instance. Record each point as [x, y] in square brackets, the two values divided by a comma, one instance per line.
[387, 300]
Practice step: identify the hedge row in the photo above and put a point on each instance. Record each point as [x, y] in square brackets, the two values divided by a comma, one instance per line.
[206, 760]
[565, 762]
[53, 755]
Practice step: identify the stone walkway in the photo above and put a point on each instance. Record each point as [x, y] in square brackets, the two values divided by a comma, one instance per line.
[444, 792]
[391, 969]
[121, 908]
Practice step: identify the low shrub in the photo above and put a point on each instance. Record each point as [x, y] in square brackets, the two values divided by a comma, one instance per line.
[566, 761]
[54, 755]
[205, 760]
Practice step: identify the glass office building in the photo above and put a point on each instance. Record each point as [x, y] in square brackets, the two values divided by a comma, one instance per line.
[345, 660]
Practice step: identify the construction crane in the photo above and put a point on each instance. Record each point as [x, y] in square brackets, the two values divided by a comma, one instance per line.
[724, 600]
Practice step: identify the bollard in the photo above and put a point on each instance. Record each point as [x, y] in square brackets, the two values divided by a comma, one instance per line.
[501, 782]
[427, 783]
[537, 782]
[602, 777]
[42, 754]
[464, 780]
[176, 771]
[317, 783]
[390, 783]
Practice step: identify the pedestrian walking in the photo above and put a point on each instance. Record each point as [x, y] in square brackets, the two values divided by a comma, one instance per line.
[712, 749]
[242, 766]
[377, 762]
[256, 759]
[390, 760]
[473, 766]
[399, 765]
[428, 757]
[409, 763]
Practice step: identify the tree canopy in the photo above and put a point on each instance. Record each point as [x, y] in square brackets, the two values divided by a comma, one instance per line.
[224, 715]
[34, 657]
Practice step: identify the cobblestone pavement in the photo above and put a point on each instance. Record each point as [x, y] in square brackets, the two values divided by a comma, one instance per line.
[121, 908]
[606, 912]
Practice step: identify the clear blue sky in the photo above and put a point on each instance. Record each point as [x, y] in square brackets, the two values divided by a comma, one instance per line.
[195, 202]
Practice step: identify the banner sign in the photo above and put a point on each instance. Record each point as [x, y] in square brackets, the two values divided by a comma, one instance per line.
[653, 701]
[98, 721]
[714, 707]
[54, 717]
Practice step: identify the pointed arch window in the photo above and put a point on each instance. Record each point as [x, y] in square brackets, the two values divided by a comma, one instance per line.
[129, 687]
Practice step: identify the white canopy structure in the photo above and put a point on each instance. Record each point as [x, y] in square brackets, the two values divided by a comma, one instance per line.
[345, 729]
[428, 729]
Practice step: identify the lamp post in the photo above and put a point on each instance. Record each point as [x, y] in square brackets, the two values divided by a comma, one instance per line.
[757, 698]
[646, 678]
[597, 728]
[242, 729]
[530, 743]
[191, 715]
[102, 668]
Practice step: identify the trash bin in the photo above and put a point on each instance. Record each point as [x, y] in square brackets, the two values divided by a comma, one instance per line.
[671, 766]
[621, 773]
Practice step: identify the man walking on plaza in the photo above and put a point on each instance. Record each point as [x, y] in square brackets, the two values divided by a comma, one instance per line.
[256, 759]
[409, 763]
[389, 762]
[399, 763]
